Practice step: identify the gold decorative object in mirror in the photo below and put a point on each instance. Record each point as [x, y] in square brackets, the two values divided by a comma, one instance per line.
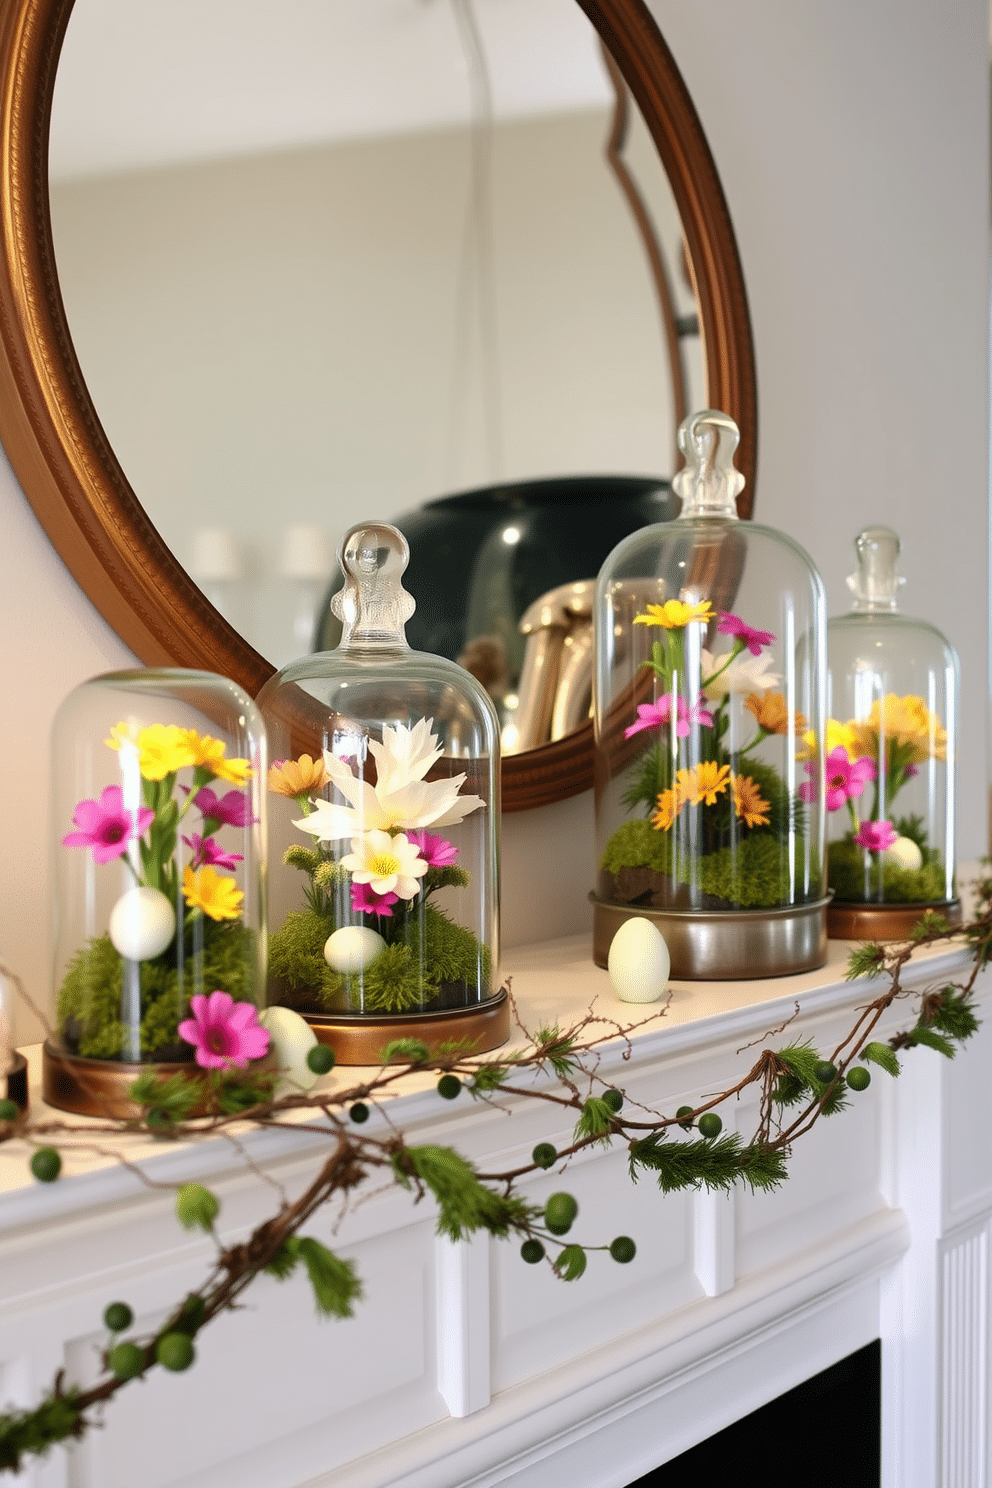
[69, 470]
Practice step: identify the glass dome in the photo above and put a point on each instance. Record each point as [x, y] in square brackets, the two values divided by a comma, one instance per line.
[384, 810]
[157, 809]
[891, 746]
[710, 683]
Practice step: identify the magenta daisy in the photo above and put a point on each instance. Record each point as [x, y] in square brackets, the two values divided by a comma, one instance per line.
[846, 778]
[435, 850]
[228, 810]
[367, 901]
[876, 836]
[223, 1032]
[754, 640]
[206, 853]
[658, 715]
[106, 826]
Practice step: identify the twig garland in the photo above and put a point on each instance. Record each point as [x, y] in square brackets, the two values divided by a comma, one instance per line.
[684, 1150]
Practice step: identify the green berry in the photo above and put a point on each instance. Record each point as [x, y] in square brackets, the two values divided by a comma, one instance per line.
[560, 1212]
[682, 1115]
[614, 1099]
[118, 1316]
[46, 1165]
[175, 1351]
[623, 1249]
[545, 1155]
[858, 1078]
[448, 1087]
[825, 1072]
[710, 1125]
[320, 1059]
[359, 1112]
[126, 1360]
[532, 1251]
[9, 1111]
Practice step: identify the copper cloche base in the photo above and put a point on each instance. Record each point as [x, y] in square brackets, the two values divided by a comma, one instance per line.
[357, 1039]
[884, 921]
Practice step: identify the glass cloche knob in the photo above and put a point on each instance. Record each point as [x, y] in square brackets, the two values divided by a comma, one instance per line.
[708, 483]
[875, 583]
[373, 606]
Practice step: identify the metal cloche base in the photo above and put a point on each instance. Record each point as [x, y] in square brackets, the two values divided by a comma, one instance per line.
[725, 945]
[885, 921]
[99, 1087]
[357, 1039]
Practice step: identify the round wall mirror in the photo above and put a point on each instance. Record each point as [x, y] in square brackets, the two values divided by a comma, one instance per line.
[99, 306]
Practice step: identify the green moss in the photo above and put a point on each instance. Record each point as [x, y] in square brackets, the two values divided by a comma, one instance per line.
[756, 874]
[886, 881]
[90, 999]
[394, 982]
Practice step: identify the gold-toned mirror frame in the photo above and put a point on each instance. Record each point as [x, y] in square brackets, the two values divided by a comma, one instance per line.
[64, 461]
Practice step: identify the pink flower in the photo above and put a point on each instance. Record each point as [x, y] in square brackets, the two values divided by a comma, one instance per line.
[435, 850]
[206, 853]
[657, 715]
[367, 901]
[733, 625]
[223, 1031]
[876, 836]
[229, 810]
[106, 826]
[846, 779]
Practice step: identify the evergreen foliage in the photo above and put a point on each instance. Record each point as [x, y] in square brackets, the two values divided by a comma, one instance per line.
[881, 1055]
[464, 1204]
[31, 1433]
[714, 1165]
[571, 1263]
[803, 1082]
[596, 1119]
[335, 1283]
[557, 1048]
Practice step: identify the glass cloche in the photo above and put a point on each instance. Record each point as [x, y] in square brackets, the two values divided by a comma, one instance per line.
[157, 806]
[890, 751]
[384, 821]
[710, 685]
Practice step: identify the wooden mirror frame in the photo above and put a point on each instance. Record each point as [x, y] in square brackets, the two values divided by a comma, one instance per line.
[64, 461]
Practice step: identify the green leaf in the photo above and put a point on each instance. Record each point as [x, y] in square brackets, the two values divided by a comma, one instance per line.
[196, 1207]
[405, 1051]
[881, 1055]
[285, 1260]
[335, 1283]
[715, 1164]
[571, 1263]
[865, 961]
[596, 1119]
[923, 1034]
[464, 1203]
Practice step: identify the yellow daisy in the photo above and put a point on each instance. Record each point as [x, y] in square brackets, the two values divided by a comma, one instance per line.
[771, 712]
[711, 779]
[839, 736]
[905, 721]
[674, 615]
[297, 777]
[749, 803]
[217, 896]
[209, 752]
[163, 748]
[667, 808]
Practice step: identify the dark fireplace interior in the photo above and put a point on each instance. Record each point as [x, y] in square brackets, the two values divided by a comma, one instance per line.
[824, 1432]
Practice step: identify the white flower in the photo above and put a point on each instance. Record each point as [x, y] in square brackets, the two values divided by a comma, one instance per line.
[746, 673]
[389, 865]
[401, 798]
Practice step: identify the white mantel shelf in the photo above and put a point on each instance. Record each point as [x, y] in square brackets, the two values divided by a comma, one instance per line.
[463, 1366]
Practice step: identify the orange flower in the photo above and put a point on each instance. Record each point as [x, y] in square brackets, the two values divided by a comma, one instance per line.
[749, 802]
[772, 712]
[904, 721]
[297, 777]
[668, 806]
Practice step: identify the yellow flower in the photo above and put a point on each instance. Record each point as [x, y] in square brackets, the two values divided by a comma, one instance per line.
[163, 748]
[210, 753]
[667, 808]
[749, 802]
[904, 721]
[687, 788]
[771, 712]
[206, 889]
[711, 779]
[839, 736]
[297, 777]
[674, 615]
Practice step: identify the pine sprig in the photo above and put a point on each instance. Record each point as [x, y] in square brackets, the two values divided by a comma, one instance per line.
[31, 1433]
[596, 1120]
[464, 1203]
[882, 1055]
[866, 960]
[801, 1080]
[717, 1165]
[557, 1049]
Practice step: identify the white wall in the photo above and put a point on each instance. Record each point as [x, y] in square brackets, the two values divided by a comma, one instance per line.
[852, 142]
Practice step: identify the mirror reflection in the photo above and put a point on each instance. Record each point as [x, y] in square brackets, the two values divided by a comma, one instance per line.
[342, 259]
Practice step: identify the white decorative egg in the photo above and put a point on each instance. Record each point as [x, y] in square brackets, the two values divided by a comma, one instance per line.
[638, 962]
[290, 1040]
[353, 948]
[904, 853]
[142, 923]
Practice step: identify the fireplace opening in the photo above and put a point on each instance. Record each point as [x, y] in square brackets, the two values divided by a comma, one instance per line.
[825, 1431]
